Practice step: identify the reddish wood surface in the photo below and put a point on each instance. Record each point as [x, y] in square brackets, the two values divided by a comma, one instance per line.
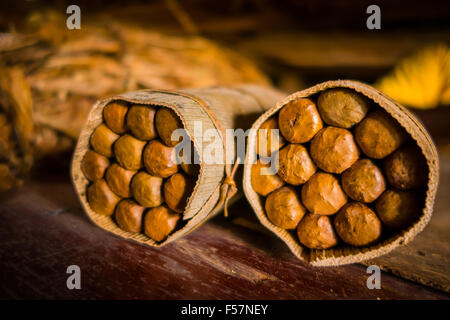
[43, 231]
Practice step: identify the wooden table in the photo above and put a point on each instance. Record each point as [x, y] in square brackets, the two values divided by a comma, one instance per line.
[43, 231]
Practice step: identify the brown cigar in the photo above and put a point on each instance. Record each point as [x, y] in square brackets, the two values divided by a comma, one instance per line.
[316, 232]
[141, 121]
[159, 222]
[94, 165]
[363, 181]
[357, 225]
[284, 209]
[101, 198]
[264, 178]
[299, 121]
[322, 194]
[334, 149]
[129, 215]
[378, 135]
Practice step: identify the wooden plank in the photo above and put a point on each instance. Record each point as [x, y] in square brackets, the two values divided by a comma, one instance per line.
[43, 231]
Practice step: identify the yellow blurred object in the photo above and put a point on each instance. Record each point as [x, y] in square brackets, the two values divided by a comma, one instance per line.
[422, 80]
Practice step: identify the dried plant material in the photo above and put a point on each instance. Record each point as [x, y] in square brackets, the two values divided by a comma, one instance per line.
[119, 180]
[159, 159]
[159, 222]
[342, 107]
[177, 190]
[6, 131]
[141, 121]
[47, 141]
[51, 76]
[102, 140]
[421, 80]
[128, 152]
[267, 138]
[16, 123]
[115, 114]
[16, 100]
[398, 209]
[378, 135]
[128, 215]
[357, 225]
[7, 179]
[147, 189]
[284, 208]
[94, 165]
[322, 194]
[167, 122]
[406, 168]
[334, 149]
[316, 232]
[299, 121]
[363, 181]
[101, 198]
[295, 165]
[264, 178]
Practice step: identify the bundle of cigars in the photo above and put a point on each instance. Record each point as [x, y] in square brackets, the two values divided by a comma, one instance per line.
[348, 176]
[132, 178]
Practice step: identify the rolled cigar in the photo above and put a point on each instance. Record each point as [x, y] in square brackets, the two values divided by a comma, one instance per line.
[128, 215]
[115, 114]
[102, 140]
[342, 107]
[264, 178]
[269, 140]
[167, 122]
[397, 208]
[363, 181]
[316, 232]
[7, 179]
[284, 208]
[334, 149]
[159, 159]
[119, 180]
[94, 165]
[101, 198]
[299, 121]
[322, 194]
[378, 135]
[141, 121]
[295, 165]
[128, 152]
[147, 189]
[160, 222]
[406, 168]
[177, 189]
[357, 225]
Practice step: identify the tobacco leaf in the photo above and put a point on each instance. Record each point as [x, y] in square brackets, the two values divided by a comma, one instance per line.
[51, 76]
